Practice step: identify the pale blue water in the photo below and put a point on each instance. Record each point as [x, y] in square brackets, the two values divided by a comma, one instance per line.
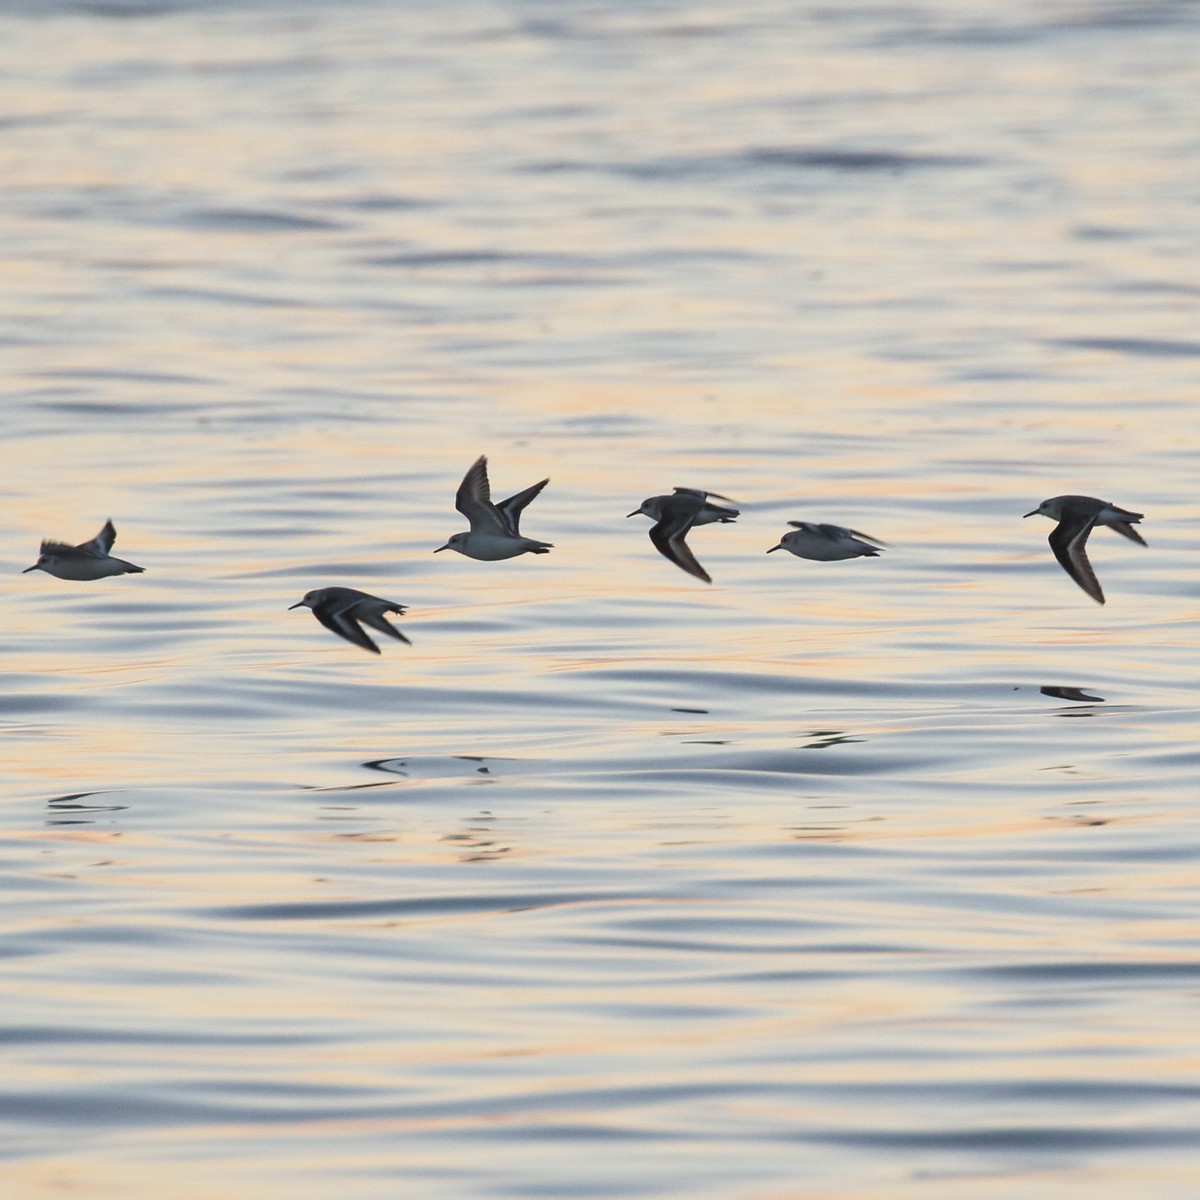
[814, 882]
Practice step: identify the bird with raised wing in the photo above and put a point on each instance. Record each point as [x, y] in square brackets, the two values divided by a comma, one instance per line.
[87, 561]
[495, 531]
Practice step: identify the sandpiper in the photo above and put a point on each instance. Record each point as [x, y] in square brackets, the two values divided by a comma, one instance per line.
[87, 561]
[827, 543]
[495, 528]
[341, 609]
[674, 516]
[1077, 516]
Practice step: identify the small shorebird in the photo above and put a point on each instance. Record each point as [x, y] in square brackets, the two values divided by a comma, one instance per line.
[827, 543]
[88, 560]
[495, 528]
[1077, 516]
[674, 516]
[341, 609]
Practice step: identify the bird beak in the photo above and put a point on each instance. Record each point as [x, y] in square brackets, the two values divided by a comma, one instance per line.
[632, 514]
[28, 569]
[1032, 514]
[441, 548]
[774, 548]
[299, 604]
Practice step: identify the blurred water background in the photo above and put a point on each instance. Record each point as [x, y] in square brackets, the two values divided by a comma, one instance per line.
[821, 881]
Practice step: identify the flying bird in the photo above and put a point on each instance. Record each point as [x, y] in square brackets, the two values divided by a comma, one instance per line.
[1077, 516]
[495, 531]
[340, 609]
[87, 561]
[675, 516]
[827, 543]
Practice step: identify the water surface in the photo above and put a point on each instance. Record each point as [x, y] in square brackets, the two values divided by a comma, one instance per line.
[864, 879]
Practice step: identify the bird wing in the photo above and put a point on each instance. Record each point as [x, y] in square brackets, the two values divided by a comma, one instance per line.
[102, 543]
[379, 622]
[1069, 543]
[474, 500]
[1126, 529]
[684, 491]
[510, 510]
[339, 621]
[668, 538]
[836, 533]
[866, 537]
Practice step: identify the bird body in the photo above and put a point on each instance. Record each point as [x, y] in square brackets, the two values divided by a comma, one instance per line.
[495, 531]
[706, 513]
[85, 562]
[827, 543]
[1077, 516]
[341, 609]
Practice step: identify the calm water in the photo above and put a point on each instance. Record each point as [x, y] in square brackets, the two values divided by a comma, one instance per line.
[812, 883]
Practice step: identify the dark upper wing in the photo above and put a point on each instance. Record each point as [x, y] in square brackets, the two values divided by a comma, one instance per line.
[668, 538]
[510, 510]
[1125, 529]
[102, 543]
[1069, 543]
[684, 491]
[340, 622]
[866, 537]
[474, 499]
[380, 622]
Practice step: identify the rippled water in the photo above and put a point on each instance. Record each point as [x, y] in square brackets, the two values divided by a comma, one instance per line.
[863, 879]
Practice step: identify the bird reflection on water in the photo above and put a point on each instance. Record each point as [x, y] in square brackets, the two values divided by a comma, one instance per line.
[1071, 693]
[433, 768]
[824, 738]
